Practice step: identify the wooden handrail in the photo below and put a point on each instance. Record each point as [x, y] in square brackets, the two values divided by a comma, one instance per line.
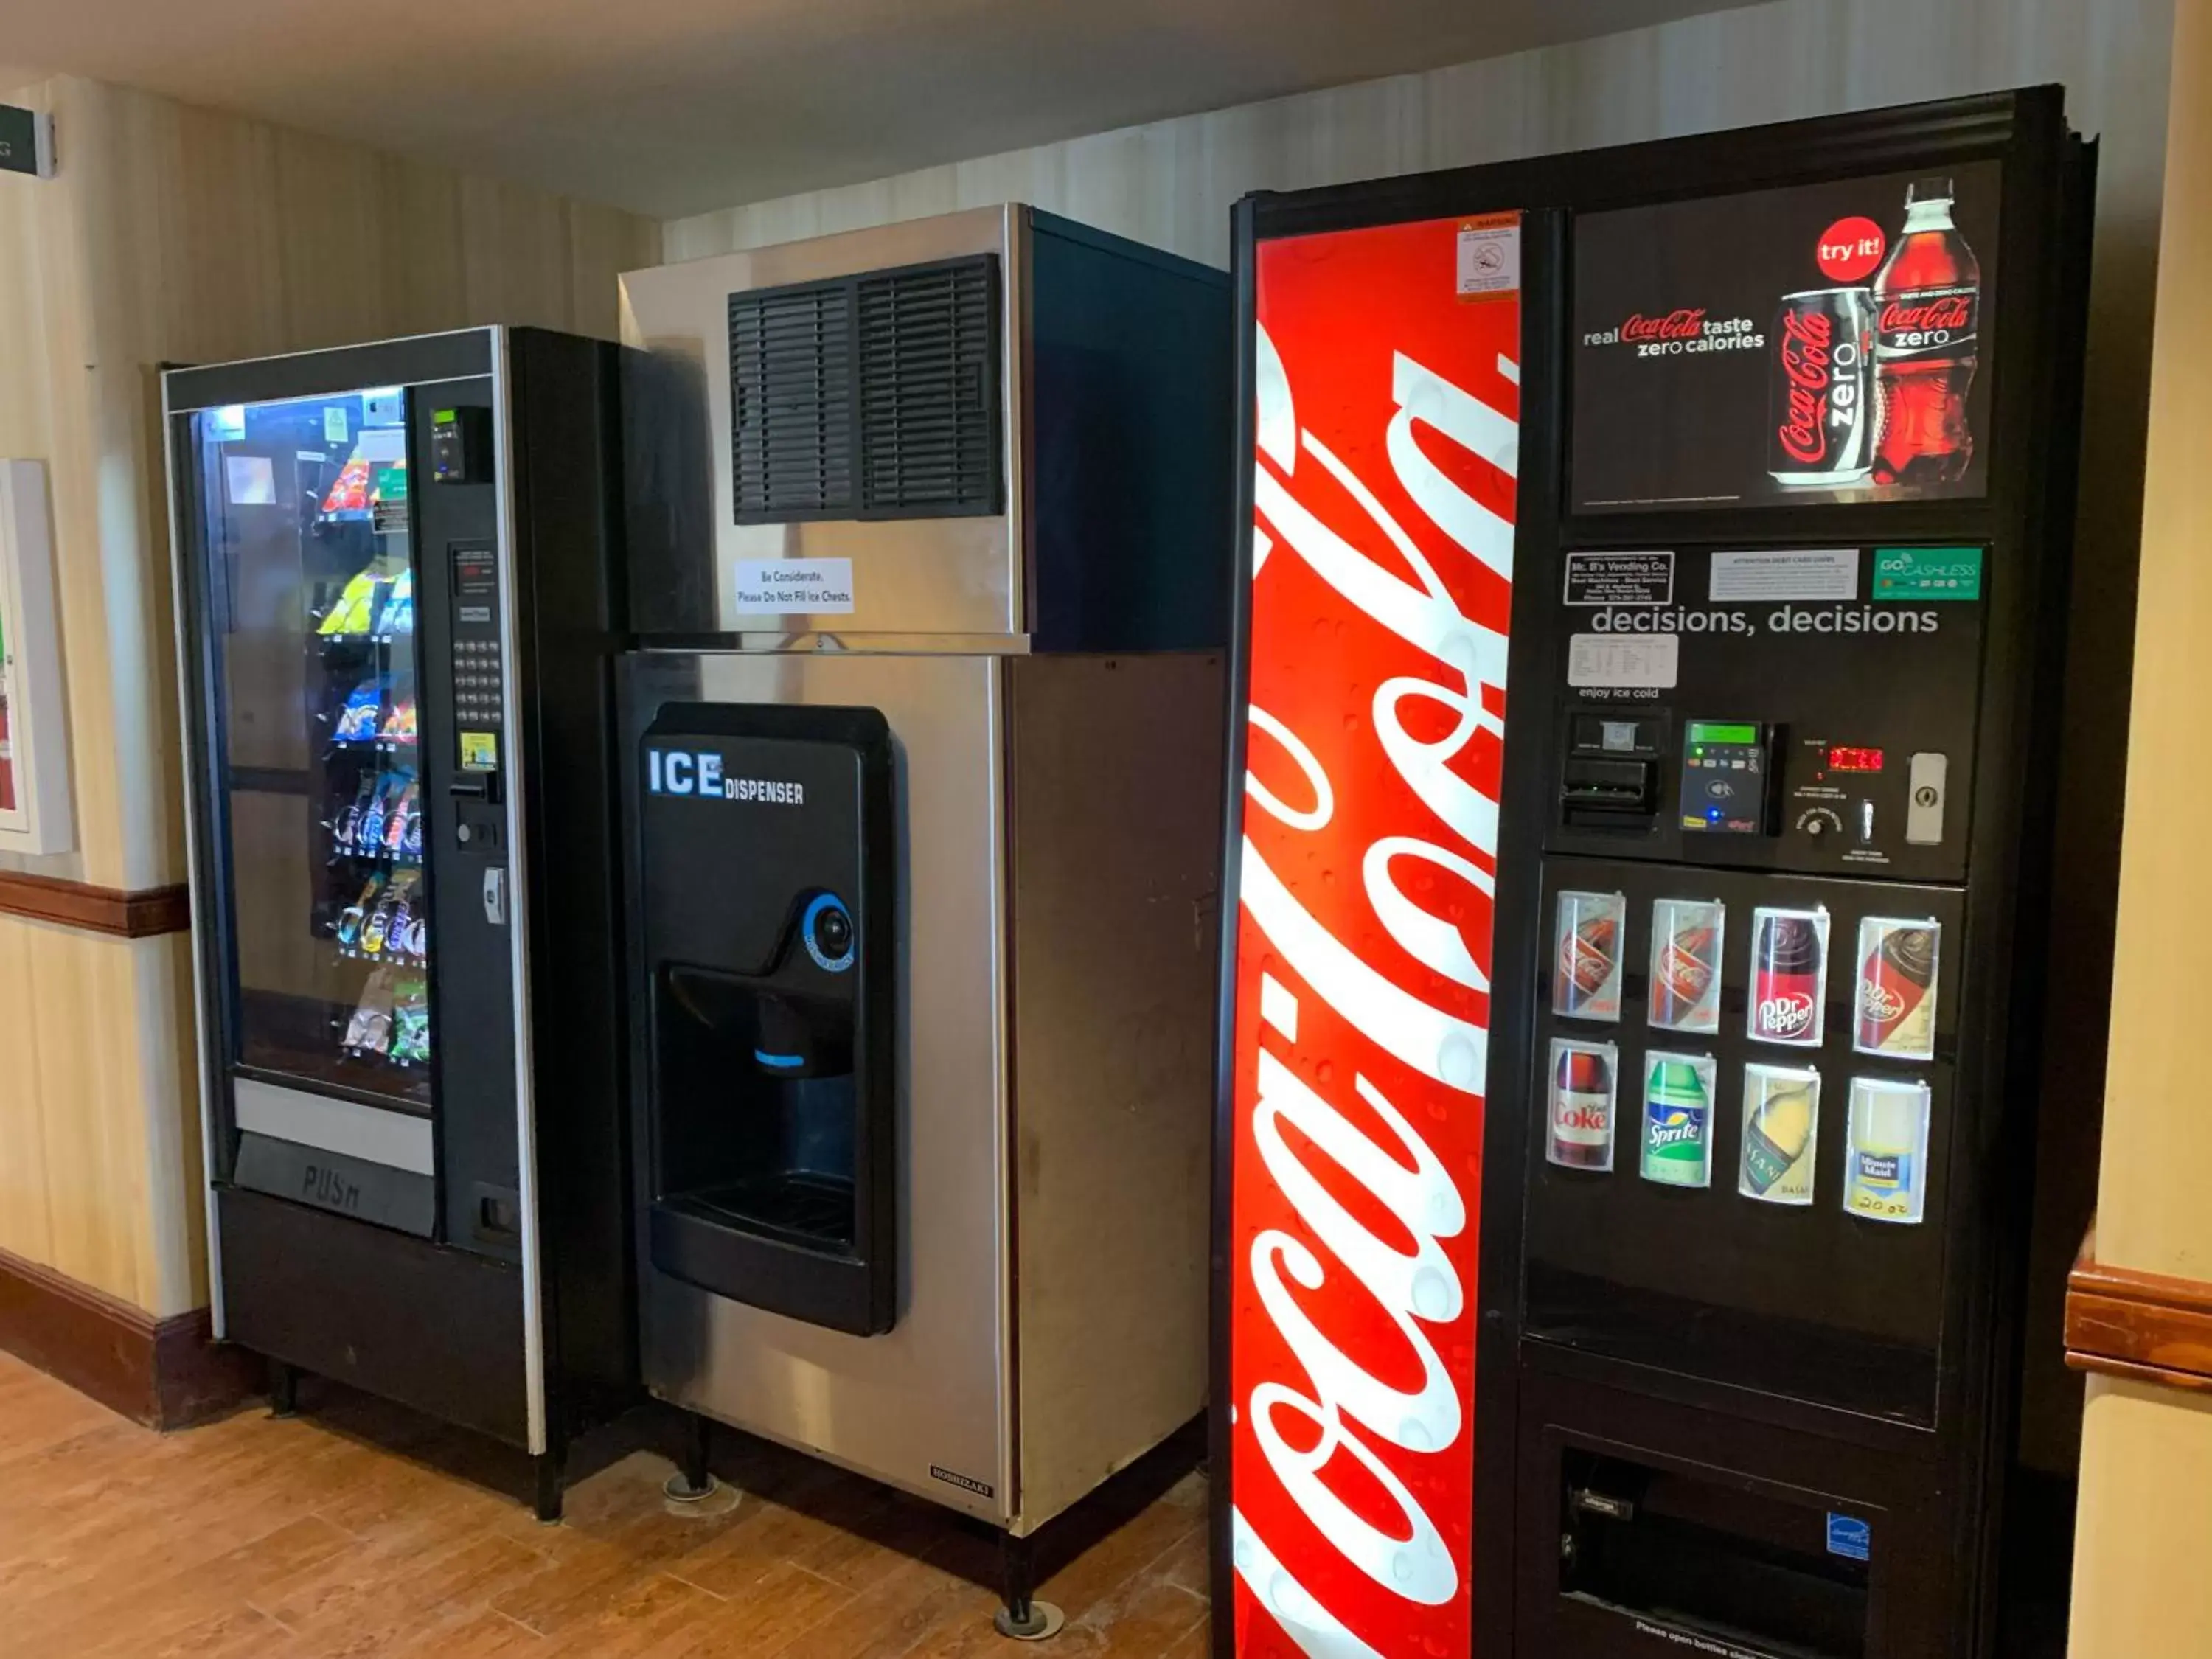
[2152, 1328]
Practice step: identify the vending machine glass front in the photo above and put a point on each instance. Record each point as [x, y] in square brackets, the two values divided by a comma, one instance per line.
[312, 587]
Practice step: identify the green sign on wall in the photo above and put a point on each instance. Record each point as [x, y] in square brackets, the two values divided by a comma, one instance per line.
[27, 142]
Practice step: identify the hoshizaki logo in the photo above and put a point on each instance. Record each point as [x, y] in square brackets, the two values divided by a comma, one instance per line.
[965, 1482]
[689, 772]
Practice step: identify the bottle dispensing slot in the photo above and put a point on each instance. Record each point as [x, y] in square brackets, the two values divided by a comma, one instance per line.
[1710, 1557]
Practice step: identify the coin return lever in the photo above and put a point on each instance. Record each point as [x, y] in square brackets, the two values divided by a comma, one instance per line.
[1610, 777]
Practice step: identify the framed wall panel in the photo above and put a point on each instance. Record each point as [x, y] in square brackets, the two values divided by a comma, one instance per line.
[35, 786]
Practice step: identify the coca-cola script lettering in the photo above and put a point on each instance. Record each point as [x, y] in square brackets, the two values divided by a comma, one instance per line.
[1953, 311]
[1806, 339]
[1386, 425]
[1683, 323]
[1926, 321]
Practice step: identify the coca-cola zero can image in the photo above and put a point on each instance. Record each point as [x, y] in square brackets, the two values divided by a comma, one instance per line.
[1584, 1082]
[1820, 412]
[1687, 935]
[1894, 1003]
[1788, 976]
[1586, 944]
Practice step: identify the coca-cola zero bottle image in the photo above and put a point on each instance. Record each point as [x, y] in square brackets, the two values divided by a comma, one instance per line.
[1927, 297]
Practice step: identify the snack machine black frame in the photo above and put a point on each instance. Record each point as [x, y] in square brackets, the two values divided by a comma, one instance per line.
[504, 1304]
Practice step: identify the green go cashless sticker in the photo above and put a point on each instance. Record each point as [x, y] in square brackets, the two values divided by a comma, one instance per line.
[479, 752]
[1927, 573]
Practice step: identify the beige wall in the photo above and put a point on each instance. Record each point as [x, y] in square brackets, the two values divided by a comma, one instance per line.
[174, 235]
[2144, 1532]
[2141, 1590]
[1173, 183]
[2152, 1209]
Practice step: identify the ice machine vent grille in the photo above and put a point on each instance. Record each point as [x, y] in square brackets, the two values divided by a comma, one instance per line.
[868, 397]
[790, 401]
[929, 386]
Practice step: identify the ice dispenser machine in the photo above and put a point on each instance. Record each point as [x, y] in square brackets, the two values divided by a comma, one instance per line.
[930, 532]
[771, 947]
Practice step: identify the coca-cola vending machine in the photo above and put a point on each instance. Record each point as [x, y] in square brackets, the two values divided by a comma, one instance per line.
[1636, 859]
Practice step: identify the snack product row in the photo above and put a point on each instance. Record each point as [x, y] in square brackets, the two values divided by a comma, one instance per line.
[392, 1019]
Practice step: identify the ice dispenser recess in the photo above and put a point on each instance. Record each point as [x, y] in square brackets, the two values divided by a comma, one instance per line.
[766, 855]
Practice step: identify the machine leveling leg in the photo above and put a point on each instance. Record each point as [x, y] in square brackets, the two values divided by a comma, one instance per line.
[283, 1390]
[1023, 1618]
[694, 1482]
[551, 1468]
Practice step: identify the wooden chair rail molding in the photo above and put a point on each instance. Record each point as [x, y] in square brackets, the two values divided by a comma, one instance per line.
[96, 909]
[2148, 1327]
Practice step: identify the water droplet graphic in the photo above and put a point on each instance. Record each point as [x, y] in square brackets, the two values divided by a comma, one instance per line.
[1457, 1063]
[1433, 1296]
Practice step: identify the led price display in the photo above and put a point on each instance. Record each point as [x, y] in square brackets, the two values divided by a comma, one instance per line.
[1842, 758]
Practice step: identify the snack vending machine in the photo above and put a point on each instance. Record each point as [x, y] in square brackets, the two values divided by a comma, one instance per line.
[1637, 860]
[398, 600]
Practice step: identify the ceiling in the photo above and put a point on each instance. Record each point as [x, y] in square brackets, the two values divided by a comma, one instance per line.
[674, 107]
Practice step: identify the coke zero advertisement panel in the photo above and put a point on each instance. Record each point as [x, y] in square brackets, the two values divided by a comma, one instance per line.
[1824, 342]
[1386, 434]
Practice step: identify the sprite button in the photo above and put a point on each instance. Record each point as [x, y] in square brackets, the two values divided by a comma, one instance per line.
[1678, 1116]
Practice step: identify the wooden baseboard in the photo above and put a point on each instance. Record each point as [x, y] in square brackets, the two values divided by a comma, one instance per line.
[2149, 1328]
[165, 1373]
[96, 909]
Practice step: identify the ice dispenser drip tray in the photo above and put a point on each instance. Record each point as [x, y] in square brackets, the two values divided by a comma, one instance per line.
[770, 1078]
[767, 940]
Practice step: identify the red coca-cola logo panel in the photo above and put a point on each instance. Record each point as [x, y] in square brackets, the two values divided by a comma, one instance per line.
[1388, 441]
